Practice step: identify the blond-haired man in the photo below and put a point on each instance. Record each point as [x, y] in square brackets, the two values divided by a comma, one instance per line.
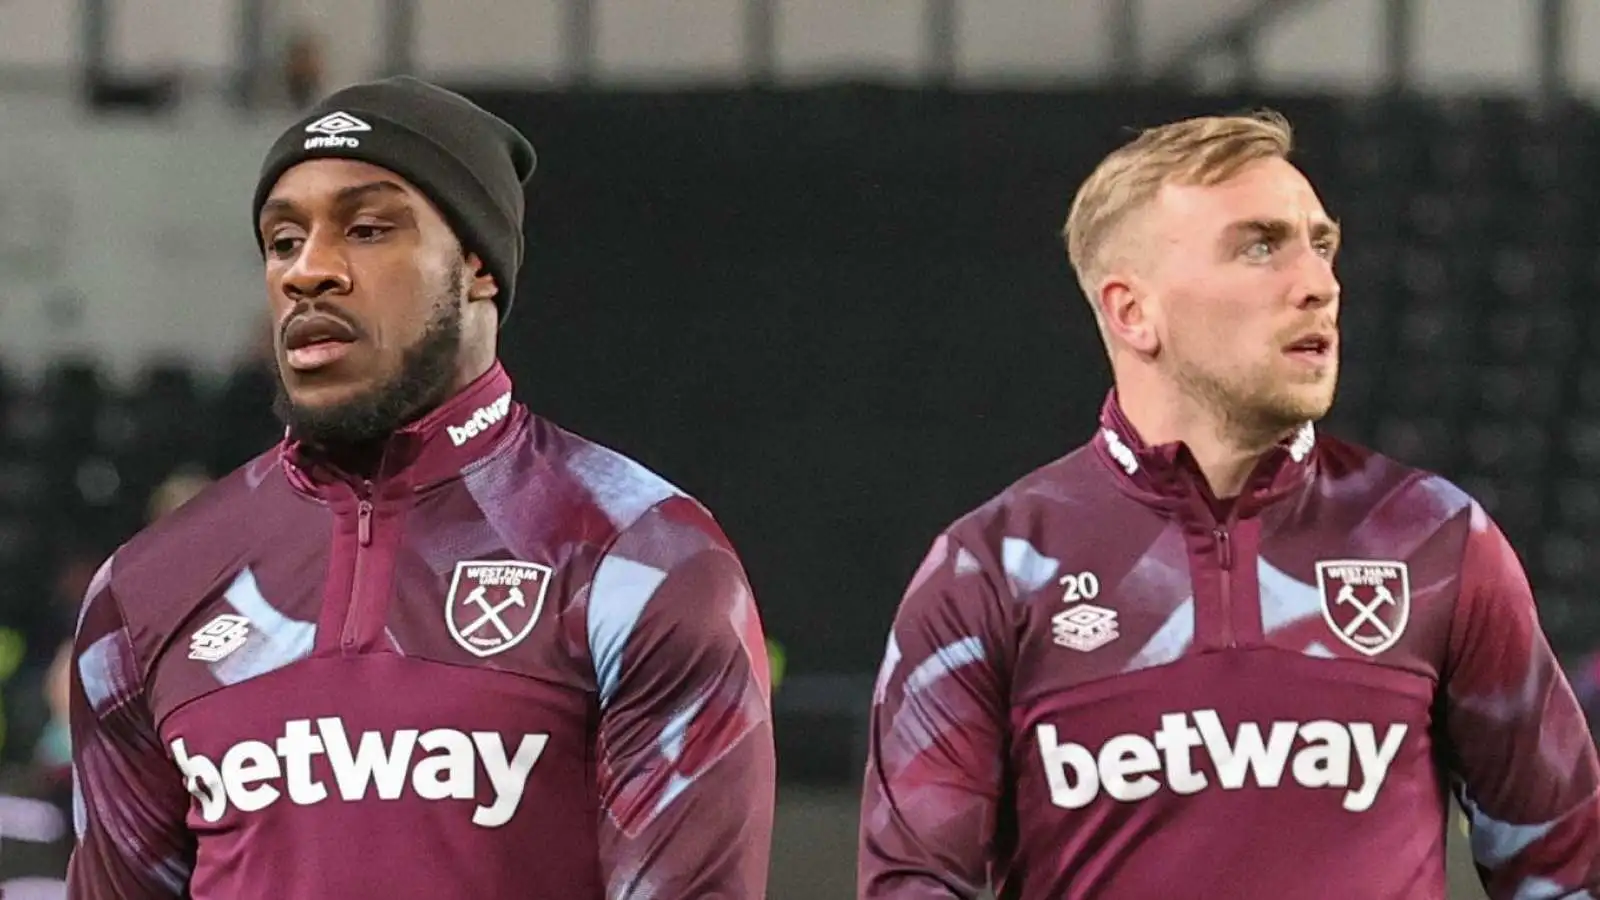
[1213, 653]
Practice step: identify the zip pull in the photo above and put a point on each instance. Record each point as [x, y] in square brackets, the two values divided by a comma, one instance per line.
[364, 522]
[1224, 548]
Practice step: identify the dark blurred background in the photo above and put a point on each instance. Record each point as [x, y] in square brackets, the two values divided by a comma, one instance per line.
[801, 257]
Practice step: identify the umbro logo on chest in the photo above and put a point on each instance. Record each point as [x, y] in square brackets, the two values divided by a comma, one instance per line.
[1083, 626]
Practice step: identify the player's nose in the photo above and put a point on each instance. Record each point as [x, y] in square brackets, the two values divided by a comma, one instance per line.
[1316, 283]
[320, 268]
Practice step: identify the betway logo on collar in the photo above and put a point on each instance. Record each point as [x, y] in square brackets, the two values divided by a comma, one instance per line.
[1130, 767]
[480, 420]
[1120, 451]
[253, 775]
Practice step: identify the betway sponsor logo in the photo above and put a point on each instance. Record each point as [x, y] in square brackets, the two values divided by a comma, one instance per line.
[480, 420]
[1343, 755]
[256, 774]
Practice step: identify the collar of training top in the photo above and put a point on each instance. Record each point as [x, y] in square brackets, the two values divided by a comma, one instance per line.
[435, 448]
[1168, 471]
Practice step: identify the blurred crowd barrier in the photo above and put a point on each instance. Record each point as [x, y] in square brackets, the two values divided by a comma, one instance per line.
[285, 48]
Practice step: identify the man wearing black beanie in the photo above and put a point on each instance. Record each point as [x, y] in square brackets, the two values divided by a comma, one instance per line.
[431, 645]
[450, 176]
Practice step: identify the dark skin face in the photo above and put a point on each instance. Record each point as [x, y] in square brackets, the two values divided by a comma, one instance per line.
[378, 315]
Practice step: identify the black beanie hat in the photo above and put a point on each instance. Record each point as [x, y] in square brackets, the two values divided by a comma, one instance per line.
[469, 162]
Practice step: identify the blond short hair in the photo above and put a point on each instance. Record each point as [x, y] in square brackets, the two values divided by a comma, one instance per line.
[1200, 151]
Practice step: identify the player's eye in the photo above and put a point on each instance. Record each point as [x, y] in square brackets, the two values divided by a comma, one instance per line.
[1327, 249]
[1258, 250]
[367, 231]
[284, 245]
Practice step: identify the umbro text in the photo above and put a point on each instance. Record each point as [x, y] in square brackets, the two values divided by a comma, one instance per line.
[331, 141]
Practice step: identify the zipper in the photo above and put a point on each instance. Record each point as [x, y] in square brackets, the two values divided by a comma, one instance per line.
[1225, 562]
[364, 523]
[352, 618]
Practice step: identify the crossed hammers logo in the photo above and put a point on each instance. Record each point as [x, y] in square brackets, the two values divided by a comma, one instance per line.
[1366, 613]
[491, 614]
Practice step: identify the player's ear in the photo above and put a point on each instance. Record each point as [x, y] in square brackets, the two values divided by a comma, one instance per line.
[1128, 312]
[483, 286]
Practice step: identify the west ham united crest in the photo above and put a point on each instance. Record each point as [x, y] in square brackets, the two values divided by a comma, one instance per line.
[493, 604]
[1366, 602]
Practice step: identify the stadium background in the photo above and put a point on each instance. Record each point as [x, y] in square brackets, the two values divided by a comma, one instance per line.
[801, 257]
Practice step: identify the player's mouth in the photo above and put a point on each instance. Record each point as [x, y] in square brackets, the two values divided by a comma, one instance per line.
[313, 341]
[1313, 349]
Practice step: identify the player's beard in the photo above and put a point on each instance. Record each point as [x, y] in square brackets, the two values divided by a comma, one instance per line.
[1253, 405]
[422, 381]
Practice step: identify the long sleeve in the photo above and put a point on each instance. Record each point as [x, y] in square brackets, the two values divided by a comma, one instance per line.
[687, 761]
[1521, 757]
[129, 801]
[929, 818]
